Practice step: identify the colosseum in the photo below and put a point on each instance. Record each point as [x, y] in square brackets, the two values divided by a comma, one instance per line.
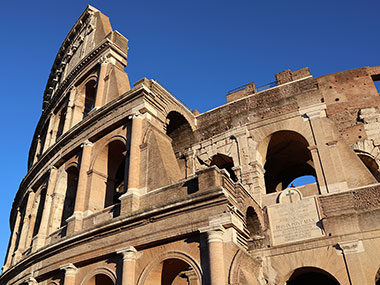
[127, 185]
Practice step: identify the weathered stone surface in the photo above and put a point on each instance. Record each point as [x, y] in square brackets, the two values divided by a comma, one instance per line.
[129, 186]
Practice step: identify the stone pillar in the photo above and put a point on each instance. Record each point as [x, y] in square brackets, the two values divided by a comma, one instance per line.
[70, 272]
[13, 241]
[130, 200]
[44, 225]
[129, 265]
[74, 223]
[33, 217]
[25, 226]
[69, 112]
[100, 94]
[134, 153]
[350, 252]
[50, 136]
[38, 150]
[216, 256]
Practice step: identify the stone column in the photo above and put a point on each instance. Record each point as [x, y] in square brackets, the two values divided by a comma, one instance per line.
[44, 225]
[130, 200]
[216, 256]
[38, 150]
[129, 265]
[350, 251]
[25, 226]
[69, 112]
[13, 241]
[74, 223]
[32, 219]
[134, 153]
[50, 136]
[100, 99]
[70, 272]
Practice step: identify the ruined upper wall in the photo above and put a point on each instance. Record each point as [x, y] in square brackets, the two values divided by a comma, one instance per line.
[259, 106]
[346, 93]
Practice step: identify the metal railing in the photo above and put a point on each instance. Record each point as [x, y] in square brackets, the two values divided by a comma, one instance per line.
[266, 86]
[237, 89]
[258, 89]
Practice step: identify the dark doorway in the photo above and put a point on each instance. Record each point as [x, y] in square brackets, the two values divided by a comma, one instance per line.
[311, 276]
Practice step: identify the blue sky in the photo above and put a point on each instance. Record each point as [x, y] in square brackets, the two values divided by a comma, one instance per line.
[199, 50]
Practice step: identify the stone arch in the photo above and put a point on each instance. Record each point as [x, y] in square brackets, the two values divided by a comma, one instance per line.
[255, 228]
[284, 155]
[311, 275]
[107, 173]
[72, 176]
[85, 96]
[100, 271]
[226, 162]
[179, 130]
[377, 277]
[190, 118]
[244, 270]
[370, 162]
[156, 269]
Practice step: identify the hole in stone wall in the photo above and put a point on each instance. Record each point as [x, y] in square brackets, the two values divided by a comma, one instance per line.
[90, 97]
[370, 163]
[302, 180]
[376, 81]
[287, 158]
[223, 161]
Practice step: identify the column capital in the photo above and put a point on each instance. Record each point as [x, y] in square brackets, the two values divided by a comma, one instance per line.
[31, 281]
[86, 143]
[214, 233]
[129, 253]
[69, 268]
[52, 168]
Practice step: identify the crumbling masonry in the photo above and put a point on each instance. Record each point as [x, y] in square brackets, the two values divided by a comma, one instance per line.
[128, 186]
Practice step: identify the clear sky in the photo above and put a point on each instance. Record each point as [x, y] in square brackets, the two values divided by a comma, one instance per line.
[199, 50]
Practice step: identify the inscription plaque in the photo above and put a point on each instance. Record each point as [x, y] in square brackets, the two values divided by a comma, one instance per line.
[294, 221]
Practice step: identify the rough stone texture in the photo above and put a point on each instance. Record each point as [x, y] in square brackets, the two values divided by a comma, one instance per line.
[129, 186]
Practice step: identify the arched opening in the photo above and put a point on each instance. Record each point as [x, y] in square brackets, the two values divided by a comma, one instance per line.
[173, 271]
[377, 277]
[61, 120]
[287, 158]
[223, 161]
[21, 223]
[100, 279]
[254, 227]
[90, 97]
[70, 194]
[42, 139]
[115, 172]
[370, 163]
[179, 130]
[41, 206]
[311, 276]
[302, 180]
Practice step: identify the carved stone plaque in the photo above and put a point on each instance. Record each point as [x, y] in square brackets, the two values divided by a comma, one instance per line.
[294, 221]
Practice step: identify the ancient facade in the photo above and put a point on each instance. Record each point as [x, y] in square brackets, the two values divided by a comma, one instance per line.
[128, 186]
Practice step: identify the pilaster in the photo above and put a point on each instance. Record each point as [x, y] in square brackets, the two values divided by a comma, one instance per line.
[74, 223]
[129, 265]
[70, 273]
[39, 240]
[216, 256]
